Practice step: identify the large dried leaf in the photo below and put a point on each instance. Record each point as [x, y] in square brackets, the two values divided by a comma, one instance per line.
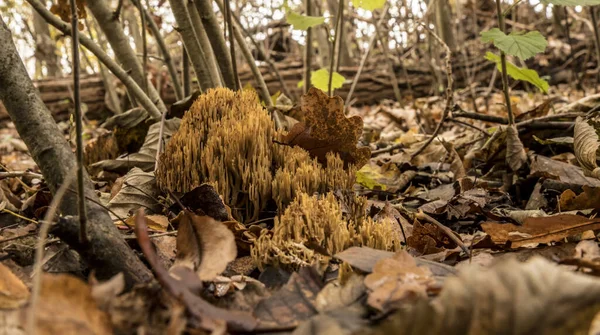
[515, 152]
[139, 190]
[66, 306]
[539, 229]
[13, 293]
[293, 303]
[145, 158]
[536, 297]
[204, 245]
[327, 129]
[588, 199]
[397, 280]
[585, 145]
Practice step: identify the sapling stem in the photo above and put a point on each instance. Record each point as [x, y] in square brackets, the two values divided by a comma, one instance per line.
[336, 41]
[505, 88]
[78, 125]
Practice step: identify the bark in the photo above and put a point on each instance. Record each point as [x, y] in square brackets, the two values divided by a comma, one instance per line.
[131, 85]
[192, 45]
[346, 57]
[217, 40]
[443, 23]
[205, 45]
[107, 252]
[164, 51]
[120, 44]
[45, 49]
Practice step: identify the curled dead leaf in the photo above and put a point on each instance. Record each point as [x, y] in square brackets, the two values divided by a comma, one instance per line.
[585, 145]
[515, 151]
[204, 245]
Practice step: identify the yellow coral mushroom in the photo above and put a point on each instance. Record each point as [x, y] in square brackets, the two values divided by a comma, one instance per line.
[318, 222]
[227, 139]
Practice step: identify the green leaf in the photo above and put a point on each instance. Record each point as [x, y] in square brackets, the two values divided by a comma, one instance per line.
[300, 84]
[303, 22]
[517, 43]
[320, 80]
[370, 4]
[528, 75]
[572, 2]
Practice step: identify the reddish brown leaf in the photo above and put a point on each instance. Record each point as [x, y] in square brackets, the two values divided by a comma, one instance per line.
[327, 129]
[539, 229]
[589, 198]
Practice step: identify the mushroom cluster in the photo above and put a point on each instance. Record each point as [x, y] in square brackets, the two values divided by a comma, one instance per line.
[227, 139]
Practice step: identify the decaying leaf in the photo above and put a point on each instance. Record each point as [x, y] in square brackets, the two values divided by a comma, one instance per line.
[586, 145]
[63, 9]
[66, 306]
[138, 190]
[208, 316]
[515, 151]
[589, 198]
[429, 239]
[539, 230]
[327, 129]
[536, 297]
[13, 293]
[145, 158]
[293, 303]
[397, 280]
[204, 245]
[204, 200]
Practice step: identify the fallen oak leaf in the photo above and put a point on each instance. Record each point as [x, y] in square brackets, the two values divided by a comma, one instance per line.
[201, 310]
[539, 230]
[327, 129]
[204, 245]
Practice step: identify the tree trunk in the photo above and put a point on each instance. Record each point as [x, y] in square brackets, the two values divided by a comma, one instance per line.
[443, 23]
[123, 51]
[45, 49]
[217, 40]
[107, 253]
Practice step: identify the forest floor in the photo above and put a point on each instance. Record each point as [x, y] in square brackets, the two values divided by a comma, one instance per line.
[476, 245]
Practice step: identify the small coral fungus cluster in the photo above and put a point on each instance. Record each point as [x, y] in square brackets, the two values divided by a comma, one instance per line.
[320, 224]
[227, 139]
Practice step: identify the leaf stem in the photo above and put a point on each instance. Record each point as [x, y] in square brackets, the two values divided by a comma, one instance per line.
[505, 88]
[338, 28]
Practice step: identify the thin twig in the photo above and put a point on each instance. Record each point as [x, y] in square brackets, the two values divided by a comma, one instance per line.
[144, 48]
[78, 125]
[449, 95]
[19, 216]
[448, 231]
[366, 55]
[17, 237]
[505, 88]
[308, 50]
[39, 250]
[25, 174]
[336, 41]
[169, 233]
[227, 13]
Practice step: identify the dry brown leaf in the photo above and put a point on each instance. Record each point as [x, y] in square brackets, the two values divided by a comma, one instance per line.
[66, 306]
[585, 145]
[155, 222]
[397, 280]
[204, 245]
[515, 151]
[293, 303]
[539, 230]
[63, 9]
[327, 129]
[13, 293]
[428, 239]
[138, 191]
[589, 198]
[104, 292]
[536, 297]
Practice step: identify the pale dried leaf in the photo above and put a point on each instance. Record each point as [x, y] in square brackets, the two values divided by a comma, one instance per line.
[585, 145]
[66, 306]
[13, 293]
[204, 245]
[515, 152]
[139, 190]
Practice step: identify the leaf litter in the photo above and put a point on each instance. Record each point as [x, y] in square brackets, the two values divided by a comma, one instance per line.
[511, 195]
